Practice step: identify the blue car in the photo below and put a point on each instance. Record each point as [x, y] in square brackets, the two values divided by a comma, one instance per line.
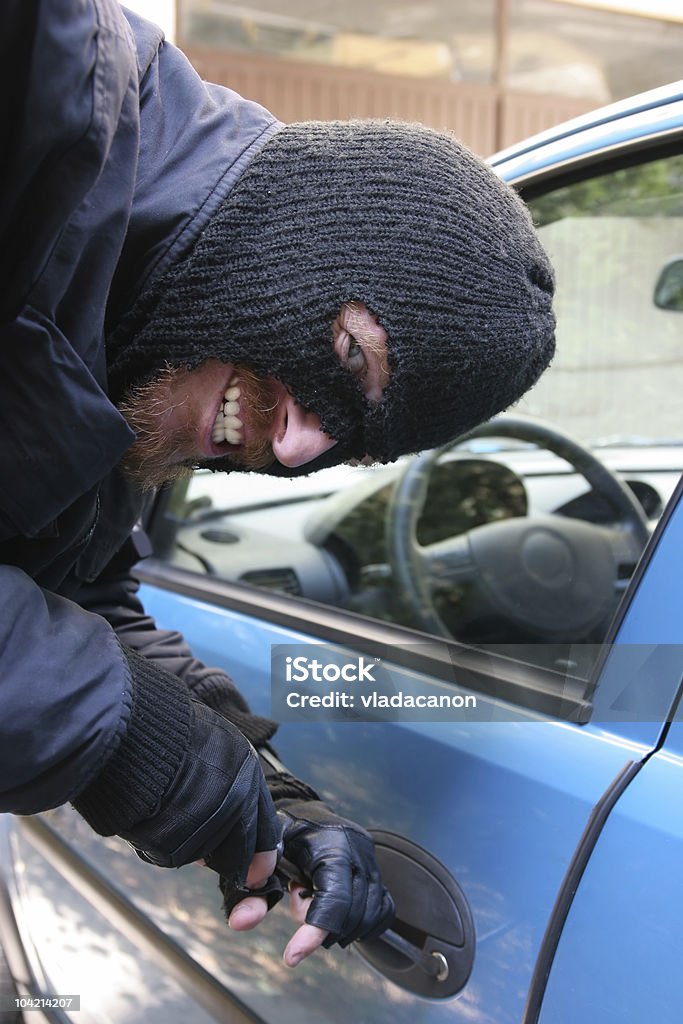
[477, 653]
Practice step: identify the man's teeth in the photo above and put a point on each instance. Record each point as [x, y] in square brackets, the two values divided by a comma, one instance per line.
[228, 425]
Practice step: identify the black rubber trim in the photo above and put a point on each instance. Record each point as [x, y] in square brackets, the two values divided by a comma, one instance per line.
[622, 153]
[646, 558]
[634, 583]
[569, 887]
[524, 685]
[207, 991]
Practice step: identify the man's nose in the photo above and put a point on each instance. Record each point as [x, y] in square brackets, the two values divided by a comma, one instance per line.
[298, 438]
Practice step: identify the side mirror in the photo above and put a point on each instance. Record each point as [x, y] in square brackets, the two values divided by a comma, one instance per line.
[669, 287]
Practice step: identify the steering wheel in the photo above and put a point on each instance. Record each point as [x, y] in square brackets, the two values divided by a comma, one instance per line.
[552, 576]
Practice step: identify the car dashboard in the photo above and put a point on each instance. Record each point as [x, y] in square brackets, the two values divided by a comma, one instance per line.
[326, 540]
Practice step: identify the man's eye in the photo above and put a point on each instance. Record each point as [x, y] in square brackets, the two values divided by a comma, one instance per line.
[355, 359]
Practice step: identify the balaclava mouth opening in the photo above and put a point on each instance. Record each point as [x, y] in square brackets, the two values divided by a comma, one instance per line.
[397, 216]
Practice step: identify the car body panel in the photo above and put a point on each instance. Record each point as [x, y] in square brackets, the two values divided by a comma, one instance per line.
[617, 958]
[502, 804]
[633, 878]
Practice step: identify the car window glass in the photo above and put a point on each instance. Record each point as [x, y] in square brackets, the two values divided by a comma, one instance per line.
[615, 374]
[513, 546]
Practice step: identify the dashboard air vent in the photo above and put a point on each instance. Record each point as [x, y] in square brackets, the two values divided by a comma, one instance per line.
[285, 580]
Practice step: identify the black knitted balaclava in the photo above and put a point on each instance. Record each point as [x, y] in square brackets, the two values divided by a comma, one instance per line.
[397, 216]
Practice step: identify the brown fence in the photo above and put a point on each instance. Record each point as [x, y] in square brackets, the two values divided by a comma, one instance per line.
[524, 114]
[296, 91]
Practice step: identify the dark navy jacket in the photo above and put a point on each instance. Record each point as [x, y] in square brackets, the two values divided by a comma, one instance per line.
[115, 155]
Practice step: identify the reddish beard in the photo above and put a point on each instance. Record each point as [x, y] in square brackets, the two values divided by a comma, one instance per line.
[159, 454]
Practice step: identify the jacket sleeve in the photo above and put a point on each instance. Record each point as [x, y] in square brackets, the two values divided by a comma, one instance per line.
[68, 136]
[83, 719]
[114, 596]
[67, 695]
[150, 764]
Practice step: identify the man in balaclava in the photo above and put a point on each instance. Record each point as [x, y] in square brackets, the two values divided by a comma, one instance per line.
[396, 218]
[191, 283]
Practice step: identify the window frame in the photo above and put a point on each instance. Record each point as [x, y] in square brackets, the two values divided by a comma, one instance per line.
[541, 691]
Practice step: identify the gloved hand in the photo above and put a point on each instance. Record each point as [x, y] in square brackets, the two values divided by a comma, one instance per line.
[221, 774]
[184, 783]
[337, 858]
[336, 894]
[330, 857]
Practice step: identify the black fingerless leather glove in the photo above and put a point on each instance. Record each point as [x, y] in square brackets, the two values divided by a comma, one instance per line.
[184, 783]
[331, 855]
[338, 858]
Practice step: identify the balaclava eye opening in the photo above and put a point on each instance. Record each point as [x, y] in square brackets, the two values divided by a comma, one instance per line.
[397, 216]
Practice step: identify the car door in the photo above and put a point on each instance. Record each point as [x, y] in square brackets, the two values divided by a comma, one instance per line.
[513, 808]
[510, 804]
[616, 955]
[489, 816]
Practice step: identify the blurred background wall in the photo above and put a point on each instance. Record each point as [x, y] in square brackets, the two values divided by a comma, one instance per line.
[493, 71]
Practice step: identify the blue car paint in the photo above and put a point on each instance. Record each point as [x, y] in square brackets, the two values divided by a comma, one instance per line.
[502, 804]
[655, 618]
[619, 957]
[647, 662]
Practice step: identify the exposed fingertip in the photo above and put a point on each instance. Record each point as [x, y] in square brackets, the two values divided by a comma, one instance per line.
[241, 918]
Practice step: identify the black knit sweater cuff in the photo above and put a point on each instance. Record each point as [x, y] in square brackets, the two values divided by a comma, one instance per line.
[132, 784]
[221, 695]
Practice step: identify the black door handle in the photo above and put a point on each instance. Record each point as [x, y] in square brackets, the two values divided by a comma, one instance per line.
[430, 947]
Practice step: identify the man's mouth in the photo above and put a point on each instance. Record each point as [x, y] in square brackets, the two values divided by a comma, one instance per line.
[228, 425]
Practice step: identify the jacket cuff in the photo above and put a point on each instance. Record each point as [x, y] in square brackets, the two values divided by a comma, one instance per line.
[132, 784]
[220, 694]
